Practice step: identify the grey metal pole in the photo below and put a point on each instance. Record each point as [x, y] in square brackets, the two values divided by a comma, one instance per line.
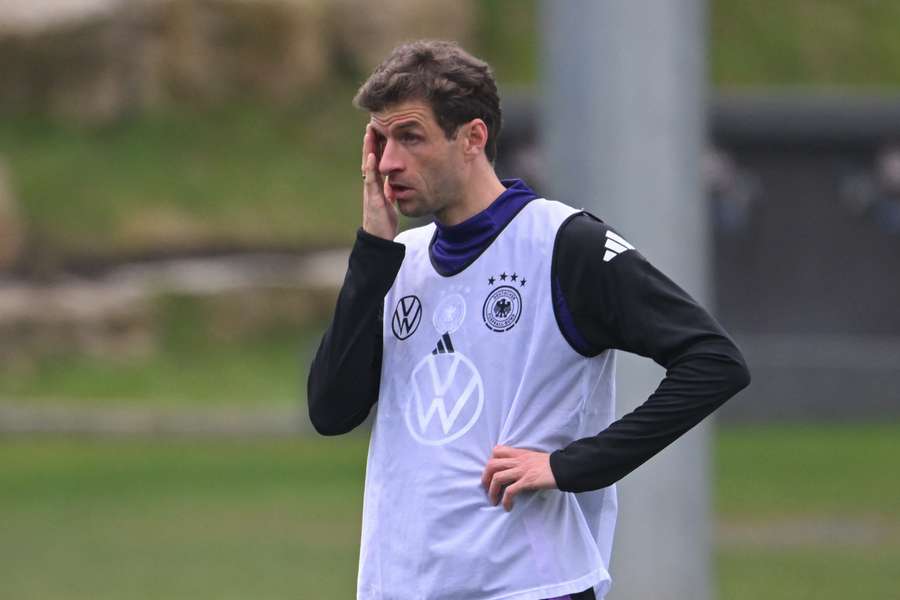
[623, 98]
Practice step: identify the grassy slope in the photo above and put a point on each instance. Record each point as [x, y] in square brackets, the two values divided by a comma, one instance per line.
[804, 42]
[280, 519]
[236, 175]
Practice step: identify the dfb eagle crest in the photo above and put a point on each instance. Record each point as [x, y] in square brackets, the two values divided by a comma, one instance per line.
[502, 308]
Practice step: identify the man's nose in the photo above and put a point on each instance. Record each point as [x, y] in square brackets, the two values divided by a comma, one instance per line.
[391, 160]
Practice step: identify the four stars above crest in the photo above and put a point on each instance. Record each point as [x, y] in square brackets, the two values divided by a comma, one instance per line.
[504, 276]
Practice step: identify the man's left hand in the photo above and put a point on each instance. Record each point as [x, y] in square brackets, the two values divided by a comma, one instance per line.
[518, 470]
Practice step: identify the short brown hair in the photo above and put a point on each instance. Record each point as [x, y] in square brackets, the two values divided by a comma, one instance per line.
[458, 86]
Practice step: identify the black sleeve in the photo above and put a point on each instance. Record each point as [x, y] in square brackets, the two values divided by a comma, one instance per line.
[625, 303]
[345, 374]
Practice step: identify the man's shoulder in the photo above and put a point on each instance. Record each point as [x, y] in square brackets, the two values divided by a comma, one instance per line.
[540, 220]
[573, 221]
[588, 247]
[416, 235]
[545, 206]
[586, 229]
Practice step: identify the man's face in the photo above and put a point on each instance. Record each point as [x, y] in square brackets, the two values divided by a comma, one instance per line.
[421, 167]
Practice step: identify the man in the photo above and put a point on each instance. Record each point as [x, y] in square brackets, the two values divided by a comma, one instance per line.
[485, 342]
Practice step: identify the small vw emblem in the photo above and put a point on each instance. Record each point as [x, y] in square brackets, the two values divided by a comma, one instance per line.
[502, 308]
[406, 317]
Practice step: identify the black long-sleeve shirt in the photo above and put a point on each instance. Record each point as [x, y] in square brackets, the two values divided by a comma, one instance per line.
[623, 304]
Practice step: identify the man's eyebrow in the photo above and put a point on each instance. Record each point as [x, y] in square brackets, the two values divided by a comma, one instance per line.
[409, 124]
[405, 125]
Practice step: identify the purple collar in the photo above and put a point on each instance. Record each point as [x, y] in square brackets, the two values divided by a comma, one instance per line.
[455, 247]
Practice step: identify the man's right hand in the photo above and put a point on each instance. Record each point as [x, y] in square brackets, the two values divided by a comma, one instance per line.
[379, 214]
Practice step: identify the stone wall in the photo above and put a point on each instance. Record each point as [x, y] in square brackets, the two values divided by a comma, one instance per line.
[118, 58]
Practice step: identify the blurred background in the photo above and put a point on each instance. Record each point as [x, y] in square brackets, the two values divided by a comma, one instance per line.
[178, 194]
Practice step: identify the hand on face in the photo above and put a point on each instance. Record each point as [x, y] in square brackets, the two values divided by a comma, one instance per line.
[518, 470]
[379, 213]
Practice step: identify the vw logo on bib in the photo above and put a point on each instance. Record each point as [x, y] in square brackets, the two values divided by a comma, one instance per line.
[446, 400]
[406, 317]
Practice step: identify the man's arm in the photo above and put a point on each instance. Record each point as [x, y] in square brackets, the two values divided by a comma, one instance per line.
[345, 374]
[625, 303]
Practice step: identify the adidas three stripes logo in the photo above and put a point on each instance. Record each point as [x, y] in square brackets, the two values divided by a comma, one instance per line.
[615, 245]
[444, 345]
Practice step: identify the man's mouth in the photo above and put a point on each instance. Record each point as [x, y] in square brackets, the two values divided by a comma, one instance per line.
[398, 189]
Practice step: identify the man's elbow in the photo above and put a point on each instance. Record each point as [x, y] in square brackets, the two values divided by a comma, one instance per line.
[325, 414]
[325, 422]
[330, 424]
[738, 374]
[328, 428]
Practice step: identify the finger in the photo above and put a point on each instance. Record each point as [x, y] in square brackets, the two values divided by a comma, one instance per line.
[493, 466]
[511, 492]
[498, 481]
[367, 147]
[506, 452]
[388, 191]
[369, 171]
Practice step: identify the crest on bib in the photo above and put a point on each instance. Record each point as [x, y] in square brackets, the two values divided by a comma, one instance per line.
[450, 313]
[503, 305]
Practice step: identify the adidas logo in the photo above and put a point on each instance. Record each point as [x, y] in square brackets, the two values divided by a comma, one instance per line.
[444, 345]
[615, 245]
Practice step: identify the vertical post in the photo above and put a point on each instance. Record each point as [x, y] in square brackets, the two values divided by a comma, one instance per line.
[623, 94]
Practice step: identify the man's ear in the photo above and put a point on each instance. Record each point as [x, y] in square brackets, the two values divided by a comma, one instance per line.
[475, 138]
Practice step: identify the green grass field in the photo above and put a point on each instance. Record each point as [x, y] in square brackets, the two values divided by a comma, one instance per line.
[808, 512]
[121, 520]
[803, 513]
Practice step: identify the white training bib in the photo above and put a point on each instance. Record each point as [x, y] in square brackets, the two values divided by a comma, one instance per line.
[472, 361]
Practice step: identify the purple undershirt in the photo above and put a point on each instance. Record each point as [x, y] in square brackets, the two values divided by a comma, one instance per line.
[454, 247]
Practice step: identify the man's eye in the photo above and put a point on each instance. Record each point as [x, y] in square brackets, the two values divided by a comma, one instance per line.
[409, 137]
